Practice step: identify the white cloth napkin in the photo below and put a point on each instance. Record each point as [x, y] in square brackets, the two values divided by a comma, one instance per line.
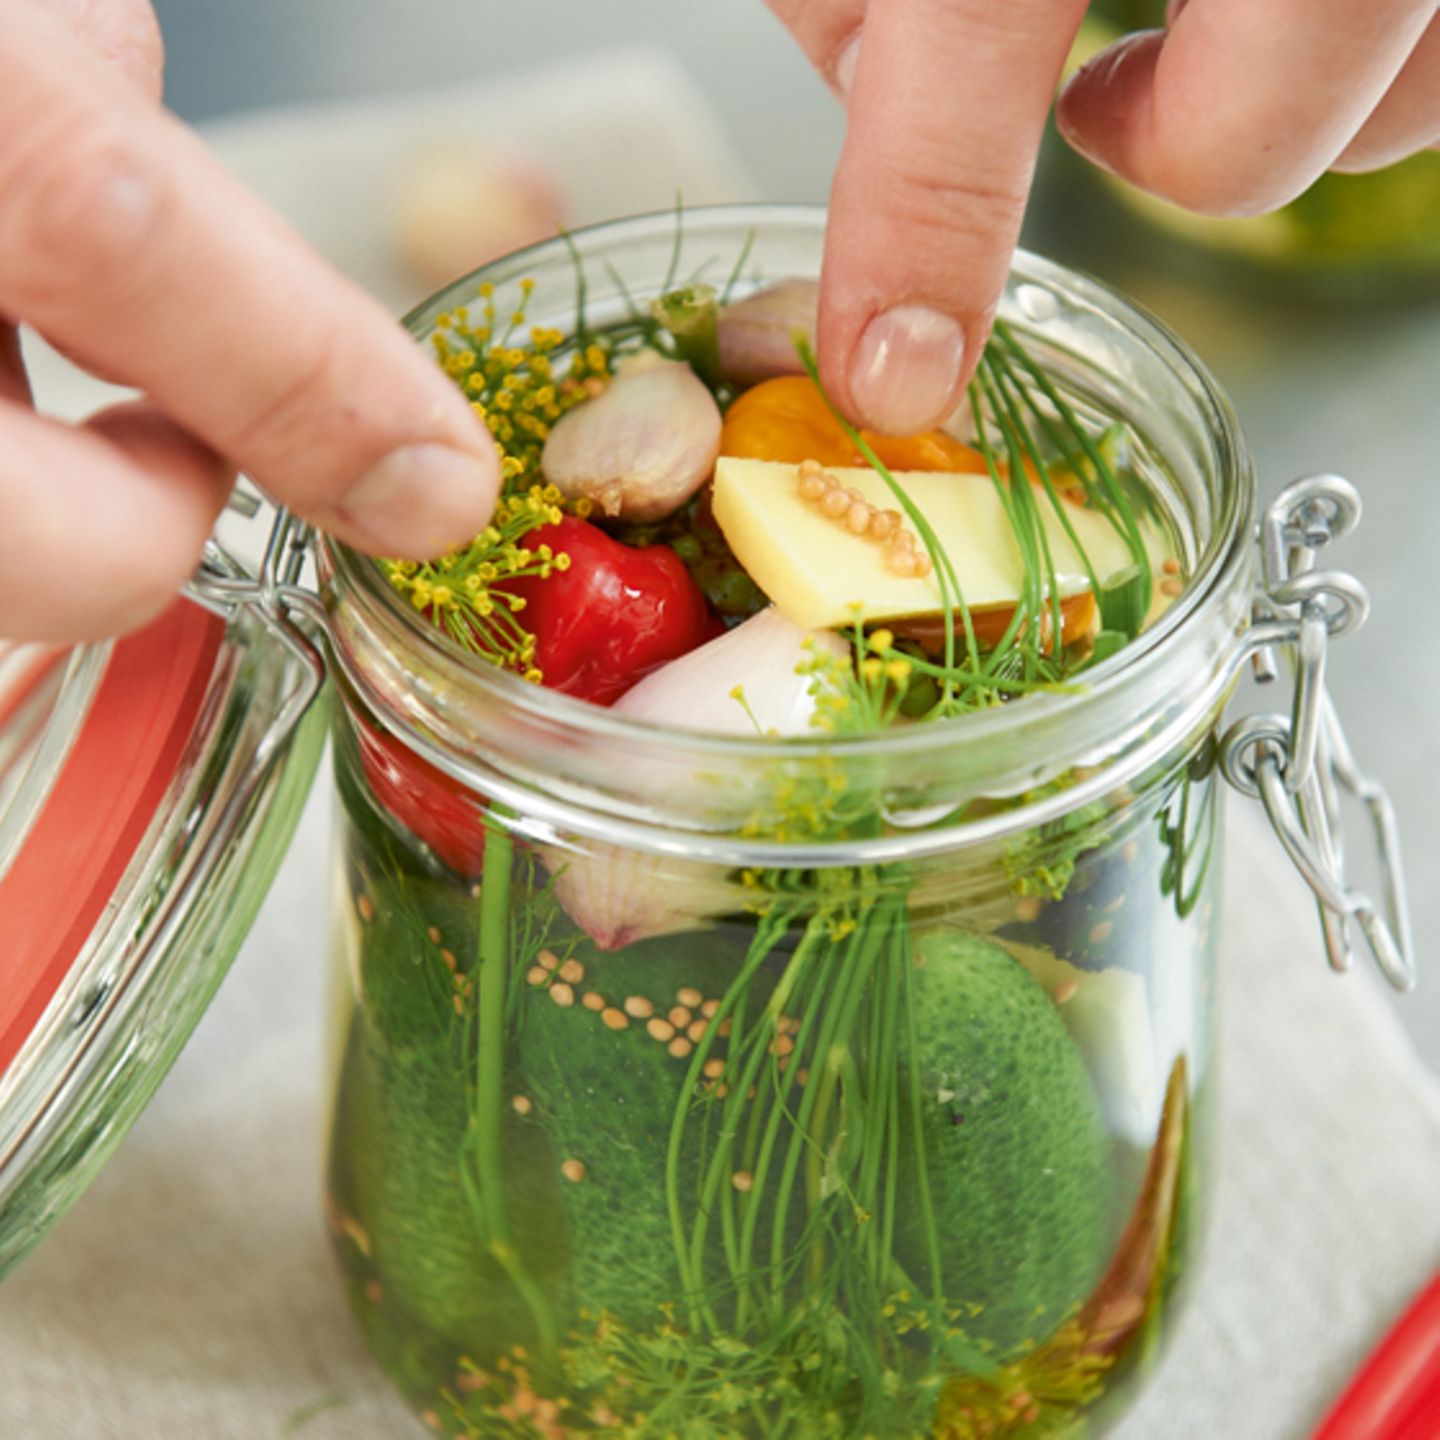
[191, 1293]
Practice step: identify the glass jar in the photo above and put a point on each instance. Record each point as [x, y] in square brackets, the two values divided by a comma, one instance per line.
[1349, 237]
[691, 1084]
[148, 789]
[657, 1112]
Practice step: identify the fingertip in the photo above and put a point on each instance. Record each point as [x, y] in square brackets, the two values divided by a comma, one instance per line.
[906, 369]
[897, 342]
[1106, 112]
[417, 502]
[1100, 102]
[929, 197]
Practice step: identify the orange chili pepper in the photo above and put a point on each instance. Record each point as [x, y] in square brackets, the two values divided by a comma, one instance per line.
[787, 419]
[1077, 618]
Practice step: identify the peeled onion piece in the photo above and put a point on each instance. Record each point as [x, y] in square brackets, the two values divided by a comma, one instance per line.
[757, 334]
[642, 447]
[761, 659]
[618, 896]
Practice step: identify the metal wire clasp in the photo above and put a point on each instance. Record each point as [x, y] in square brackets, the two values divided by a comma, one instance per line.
[274, 596]
[1300, 765]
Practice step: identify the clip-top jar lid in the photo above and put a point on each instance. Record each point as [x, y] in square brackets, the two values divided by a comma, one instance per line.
[148, 790]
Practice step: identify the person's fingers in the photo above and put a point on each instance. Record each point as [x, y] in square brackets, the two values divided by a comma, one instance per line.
[1407, 120]
[828, 31]
[103, 522]
[124, 32]
[14, 382]
[947, 107]
[1239, 107]
[128, 245]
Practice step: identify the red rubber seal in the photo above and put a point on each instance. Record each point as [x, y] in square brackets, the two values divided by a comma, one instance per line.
[99, 809]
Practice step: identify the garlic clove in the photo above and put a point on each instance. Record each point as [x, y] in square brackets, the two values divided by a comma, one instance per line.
[757, 334]
[642, 447]
[761, 659]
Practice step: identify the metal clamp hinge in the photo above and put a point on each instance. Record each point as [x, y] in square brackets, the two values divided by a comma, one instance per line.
[291, 613]
[1300, 765]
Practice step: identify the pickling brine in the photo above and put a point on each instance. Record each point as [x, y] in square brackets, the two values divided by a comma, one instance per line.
[891, 1151]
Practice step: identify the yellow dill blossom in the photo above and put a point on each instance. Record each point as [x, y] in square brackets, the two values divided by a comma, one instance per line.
[519, 380]
[860, 693]
[457, 592]
[1028, 1394]
[511, 386]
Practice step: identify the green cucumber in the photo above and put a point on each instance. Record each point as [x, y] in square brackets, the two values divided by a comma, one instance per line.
[607, 1093]
[405, 1118]
[1014, 1151]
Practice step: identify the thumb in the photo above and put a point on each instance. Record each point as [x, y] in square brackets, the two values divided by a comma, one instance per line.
[946, 109]
[124, 32]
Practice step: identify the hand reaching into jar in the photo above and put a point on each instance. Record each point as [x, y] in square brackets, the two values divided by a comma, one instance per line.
[1234, 109]
[127, 246]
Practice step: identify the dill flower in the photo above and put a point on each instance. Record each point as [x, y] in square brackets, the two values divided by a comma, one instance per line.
[509, 376]
[458, 592]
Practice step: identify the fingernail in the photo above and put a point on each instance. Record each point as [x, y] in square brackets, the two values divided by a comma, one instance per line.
[418, 502]
[906, 369]
[844, 71]
[1086, 95]
[1079, 141]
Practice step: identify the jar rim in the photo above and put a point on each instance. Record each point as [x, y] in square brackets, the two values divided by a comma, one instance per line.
[1220, 567]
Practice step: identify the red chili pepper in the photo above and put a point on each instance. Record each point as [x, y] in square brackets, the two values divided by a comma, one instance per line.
[1396, 1395]
[429, 803]
[613, 615]
[617, 613]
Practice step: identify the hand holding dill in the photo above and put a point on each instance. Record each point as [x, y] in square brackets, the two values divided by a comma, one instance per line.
[126, 244]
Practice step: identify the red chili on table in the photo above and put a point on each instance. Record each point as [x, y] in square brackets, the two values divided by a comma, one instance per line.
[1396, 1394]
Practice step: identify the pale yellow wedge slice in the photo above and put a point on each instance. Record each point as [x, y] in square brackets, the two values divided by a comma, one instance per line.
[818, 573]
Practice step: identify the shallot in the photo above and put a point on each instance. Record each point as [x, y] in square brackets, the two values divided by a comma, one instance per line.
[642, 447]
[619, 895]
[749, 678]
[757, 334]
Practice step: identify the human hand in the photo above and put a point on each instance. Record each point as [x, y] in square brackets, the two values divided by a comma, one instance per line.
[126, 244]
[1236, 108]
[1240, 105]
